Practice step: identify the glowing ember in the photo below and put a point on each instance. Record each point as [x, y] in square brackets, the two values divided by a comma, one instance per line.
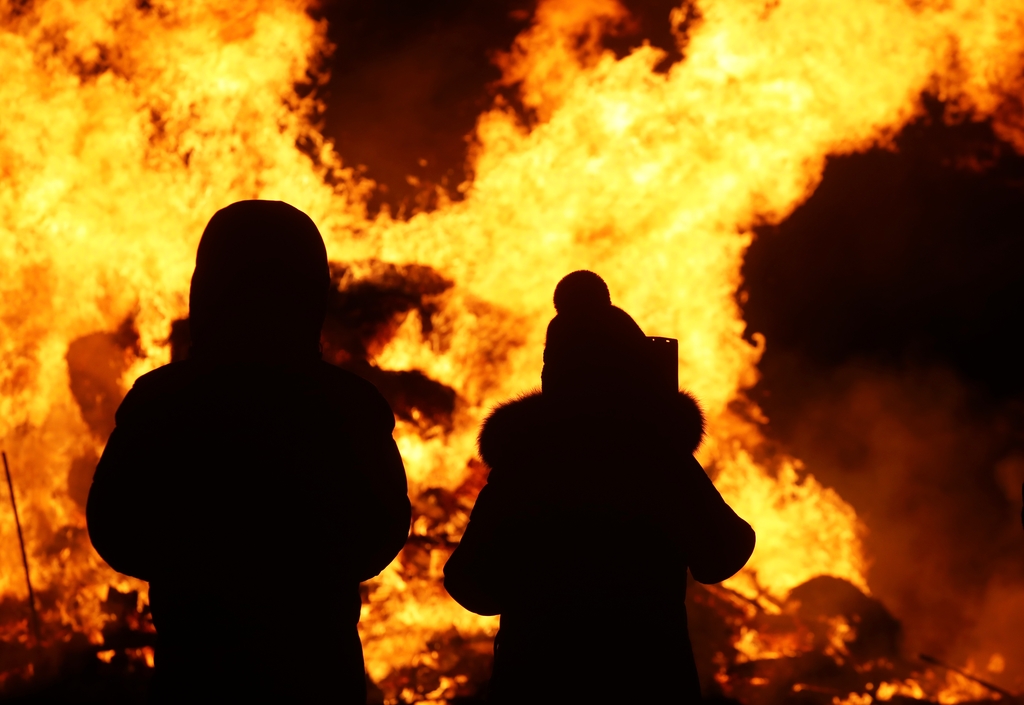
[125, 127]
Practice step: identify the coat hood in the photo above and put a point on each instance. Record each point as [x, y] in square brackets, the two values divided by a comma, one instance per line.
[260, 285]
[505, 429]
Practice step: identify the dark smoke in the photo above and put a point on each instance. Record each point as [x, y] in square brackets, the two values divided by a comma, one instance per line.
[408, 81]
[903, 257]
[891, 302]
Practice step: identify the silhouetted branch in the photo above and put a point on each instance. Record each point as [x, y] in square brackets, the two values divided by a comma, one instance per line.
[24, 555]
[991, 686]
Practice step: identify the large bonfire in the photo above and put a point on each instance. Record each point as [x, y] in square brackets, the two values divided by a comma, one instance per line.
[126, 125]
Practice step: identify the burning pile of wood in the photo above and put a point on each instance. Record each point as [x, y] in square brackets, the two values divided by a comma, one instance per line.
[828, 643]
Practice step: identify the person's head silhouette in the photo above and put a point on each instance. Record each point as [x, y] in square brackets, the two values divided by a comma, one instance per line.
[595, 352]
[260, 286]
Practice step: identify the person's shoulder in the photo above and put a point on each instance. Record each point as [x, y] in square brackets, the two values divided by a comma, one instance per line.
[343, 381]
[355, 394]
[506, 426]
[165, 378]
[154, 387]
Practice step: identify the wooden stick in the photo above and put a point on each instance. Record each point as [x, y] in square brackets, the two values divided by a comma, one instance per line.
[24, 555]
[991, 686]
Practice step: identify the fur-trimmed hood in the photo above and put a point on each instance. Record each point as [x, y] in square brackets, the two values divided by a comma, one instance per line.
[511, 424]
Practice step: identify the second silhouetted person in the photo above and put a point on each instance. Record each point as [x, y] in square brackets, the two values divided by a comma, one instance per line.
[593, 510]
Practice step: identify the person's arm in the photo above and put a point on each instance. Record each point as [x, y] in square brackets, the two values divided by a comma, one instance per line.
[119, 511]
[477, 573]
[382, 514]
[718, 541]
[471, 575]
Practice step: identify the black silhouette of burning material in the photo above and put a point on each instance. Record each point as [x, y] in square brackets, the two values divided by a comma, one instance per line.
[827, 639]
[66, 668]
[1002, 692]
[825, 642]
[368, 302]
[453, 665]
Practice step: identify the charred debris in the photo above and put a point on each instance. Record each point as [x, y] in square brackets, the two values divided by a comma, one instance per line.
[828, 640]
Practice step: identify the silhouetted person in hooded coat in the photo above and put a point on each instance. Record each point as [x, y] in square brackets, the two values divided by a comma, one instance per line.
[593, 510]
[253, 485]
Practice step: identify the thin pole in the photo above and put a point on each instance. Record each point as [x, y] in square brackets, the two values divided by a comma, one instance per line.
[991, 686]
[24, 555]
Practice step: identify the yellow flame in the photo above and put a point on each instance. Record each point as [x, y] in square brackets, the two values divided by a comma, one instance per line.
[908, 688]
[125, 127]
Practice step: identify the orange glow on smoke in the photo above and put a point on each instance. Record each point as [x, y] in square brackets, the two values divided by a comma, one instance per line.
[124, 129]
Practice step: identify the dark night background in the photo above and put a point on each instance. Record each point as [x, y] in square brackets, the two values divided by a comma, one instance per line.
[890, 302]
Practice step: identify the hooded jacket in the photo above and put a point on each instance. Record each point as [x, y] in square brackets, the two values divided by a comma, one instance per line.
[581, 540]
[253, 485]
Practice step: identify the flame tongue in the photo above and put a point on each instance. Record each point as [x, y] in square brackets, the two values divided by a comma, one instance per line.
[126, 126]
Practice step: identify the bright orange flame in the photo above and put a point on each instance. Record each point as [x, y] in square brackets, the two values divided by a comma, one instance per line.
[124, 129]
